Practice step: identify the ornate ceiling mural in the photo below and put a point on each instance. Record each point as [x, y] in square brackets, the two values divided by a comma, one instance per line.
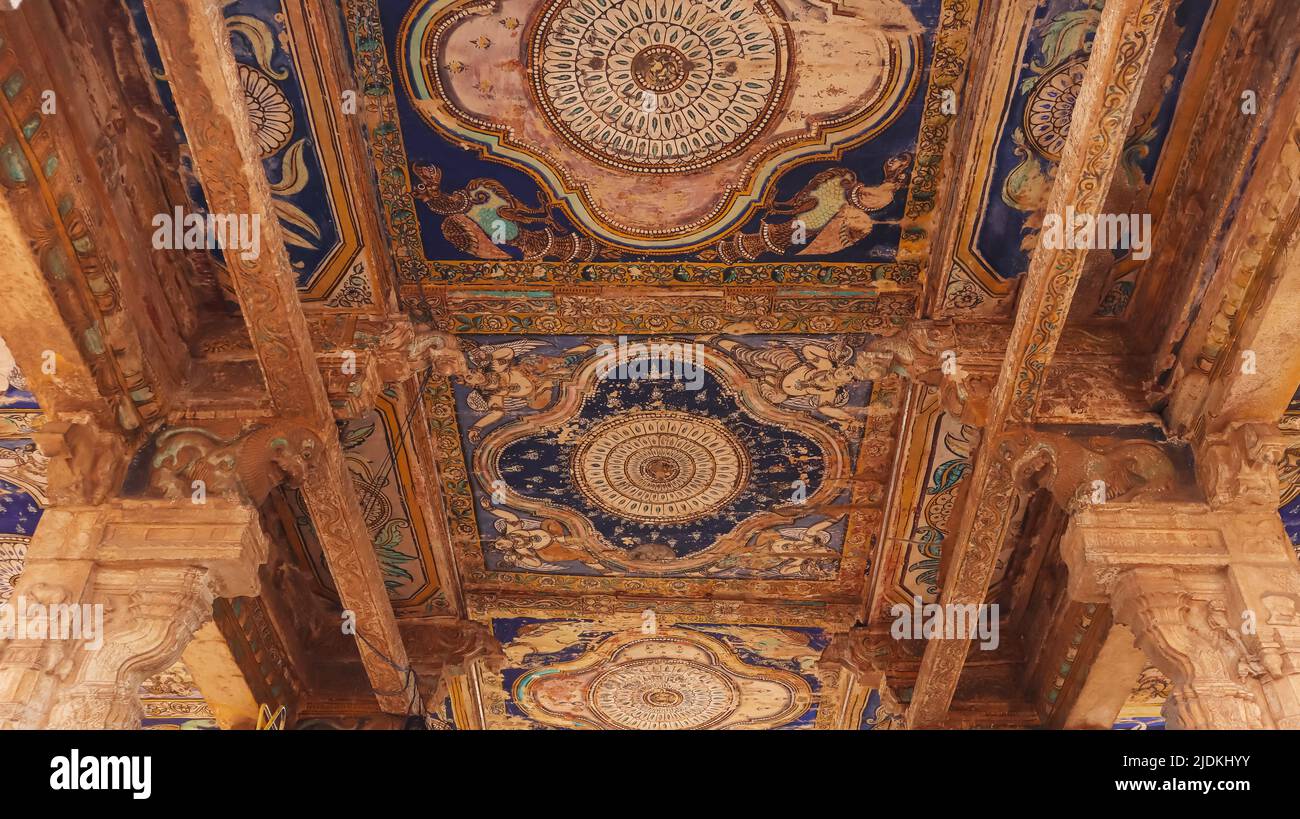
[716, 458]
[588, 675]
[22, 472]
[657, 125]
[710, 131]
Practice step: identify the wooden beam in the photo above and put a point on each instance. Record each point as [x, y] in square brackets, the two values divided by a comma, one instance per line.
[1237, 362]
[195, 48]
[1121, 54]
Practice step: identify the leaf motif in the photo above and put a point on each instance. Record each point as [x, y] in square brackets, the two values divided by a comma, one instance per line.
[356, 437]
[949, 474]
[293, 239]
[261, 39]
[390, 559]
[293, 170]
[1066, 35]
[295, 216]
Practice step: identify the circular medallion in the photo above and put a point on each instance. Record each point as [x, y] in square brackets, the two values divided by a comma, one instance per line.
[660, 467]
[663, 86]
[1050, 108]
[659, 694]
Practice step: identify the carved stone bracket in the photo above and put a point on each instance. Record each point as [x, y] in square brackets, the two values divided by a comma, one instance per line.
[1241, 465]
[242, 465]
[442, 649]
[864, 658]
[85, 464]
[1082, 472]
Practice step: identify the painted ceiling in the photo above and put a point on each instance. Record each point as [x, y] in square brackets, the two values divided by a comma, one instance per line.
[294, 118]
[677, 130]
[22, 472]
[379, 456]
[621, 674]
[585, 474]
[723, 147]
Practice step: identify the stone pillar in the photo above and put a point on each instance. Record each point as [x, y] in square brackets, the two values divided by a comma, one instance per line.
[1211, 596]
[151, 569]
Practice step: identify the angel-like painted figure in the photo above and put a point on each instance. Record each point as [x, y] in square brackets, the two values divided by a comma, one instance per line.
[533, 544]
[507, 378]
[806, 375]
[788, 551]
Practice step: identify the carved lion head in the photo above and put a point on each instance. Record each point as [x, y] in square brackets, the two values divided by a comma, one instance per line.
[294, 454]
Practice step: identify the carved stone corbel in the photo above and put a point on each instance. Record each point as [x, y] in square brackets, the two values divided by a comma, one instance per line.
[854, 653]
[1241, 466]
[246, 466]
[863, 656]
[927, 354]
[440, 649]
[1080, 474]
[408, 349]
[85, 463]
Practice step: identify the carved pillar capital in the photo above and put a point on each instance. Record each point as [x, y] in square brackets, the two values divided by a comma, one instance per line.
[1181, 619]
[111, 595]
[1211, 597]
[150, 614]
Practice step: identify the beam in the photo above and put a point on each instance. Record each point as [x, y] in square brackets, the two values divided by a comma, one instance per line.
[1238, 361]
[195, 48]
[1121, 54]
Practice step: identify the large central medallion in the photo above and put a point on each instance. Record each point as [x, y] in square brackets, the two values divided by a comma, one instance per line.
[660, 466]
[661, 456]
[659, 85]
[663, 693]
[684, 678]
[653, 126]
